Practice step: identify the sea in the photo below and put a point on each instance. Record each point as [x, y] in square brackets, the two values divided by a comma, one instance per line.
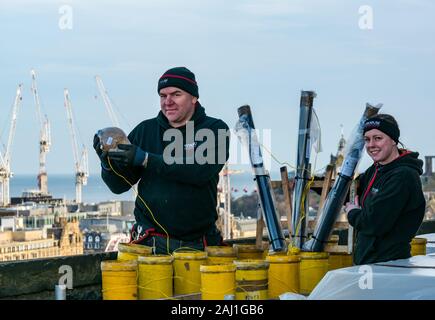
[63, 186]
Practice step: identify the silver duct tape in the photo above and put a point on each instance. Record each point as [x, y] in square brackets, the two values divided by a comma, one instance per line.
[256, 158]
[349, 166]
[260, 171]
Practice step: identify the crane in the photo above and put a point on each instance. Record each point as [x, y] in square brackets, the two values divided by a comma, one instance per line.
[44, 139]
[225, 198]
[5, 159]
[81, 164]
[109, 108]
[107, 102]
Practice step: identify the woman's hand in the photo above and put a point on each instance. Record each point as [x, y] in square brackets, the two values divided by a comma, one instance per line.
[349, 206]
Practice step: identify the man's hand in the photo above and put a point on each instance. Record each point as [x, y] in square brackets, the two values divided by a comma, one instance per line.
[130, 155]
[101, 154]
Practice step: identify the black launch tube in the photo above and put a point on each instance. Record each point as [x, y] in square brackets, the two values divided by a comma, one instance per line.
[299, 219]
[332, 208]
[336, 196]
[276, 237]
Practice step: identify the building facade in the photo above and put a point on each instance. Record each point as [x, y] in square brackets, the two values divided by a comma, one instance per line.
[63, 239]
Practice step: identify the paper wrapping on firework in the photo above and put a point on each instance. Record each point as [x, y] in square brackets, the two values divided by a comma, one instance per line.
[245, 131]
[335, 199]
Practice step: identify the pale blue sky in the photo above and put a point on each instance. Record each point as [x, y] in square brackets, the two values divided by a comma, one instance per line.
[258, 52]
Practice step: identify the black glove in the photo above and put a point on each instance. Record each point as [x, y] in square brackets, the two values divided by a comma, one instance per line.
[101, 154]
[130, 155]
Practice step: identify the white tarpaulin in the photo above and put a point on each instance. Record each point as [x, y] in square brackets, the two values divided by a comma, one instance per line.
[430, 246]
[405, 279]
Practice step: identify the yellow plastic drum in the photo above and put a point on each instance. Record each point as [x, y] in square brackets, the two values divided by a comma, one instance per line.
[119, 280]
[155, 277]
[339, 260]
[314, 266]
[220, 254]
[283, 274]
[251, 279]
[187, 277]
[217, 280]
[249, 251]
[131, 251]
[418, 246]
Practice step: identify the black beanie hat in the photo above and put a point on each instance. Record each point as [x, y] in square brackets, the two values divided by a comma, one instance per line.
[387, 127]
[179, 77]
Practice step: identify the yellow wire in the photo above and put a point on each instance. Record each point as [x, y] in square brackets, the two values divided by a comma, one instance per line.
[305, 192]
[143, 201]
[289, 165]
[272, 155]
[302, 208]
[149, 210]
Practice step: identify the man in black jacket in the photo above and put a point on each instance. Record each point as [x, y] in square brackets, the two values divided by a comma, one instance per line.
[392, 201]
[176, 157]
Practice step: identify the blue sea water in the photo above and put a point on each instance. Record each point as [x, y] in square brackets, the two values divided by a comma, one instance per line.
[63, 186]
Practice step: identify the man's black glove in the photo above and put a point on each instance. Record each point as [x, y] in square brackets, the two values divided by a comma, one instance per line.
[101, 154]
[130, 155]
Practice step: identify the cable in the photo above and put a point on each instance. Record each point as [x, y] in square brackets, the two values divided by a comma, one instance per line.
[306, 190]
[143, 201]
[289, 165]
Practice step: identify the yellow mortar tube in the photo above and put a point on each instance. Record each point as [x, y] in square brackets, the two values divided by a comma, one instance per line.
[187, 277]
[418, 246]
[283, 274]
[314, 266]
[339, 260]
[155, 277]
[220, 254]
[217, 281]
[119, 280]
[251, 279]
[249, 251]
[131, 251]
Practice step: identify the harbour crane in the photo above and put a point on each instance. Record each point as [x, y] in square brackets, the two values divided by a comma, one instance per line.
[44, 139]
[109, 107]
[5, 159]
[224, 197]
[107, 102]
[81, 164]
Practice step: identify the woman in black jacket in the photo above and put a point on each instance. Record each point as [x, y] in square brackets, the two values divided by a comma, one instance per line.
[390, 206]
